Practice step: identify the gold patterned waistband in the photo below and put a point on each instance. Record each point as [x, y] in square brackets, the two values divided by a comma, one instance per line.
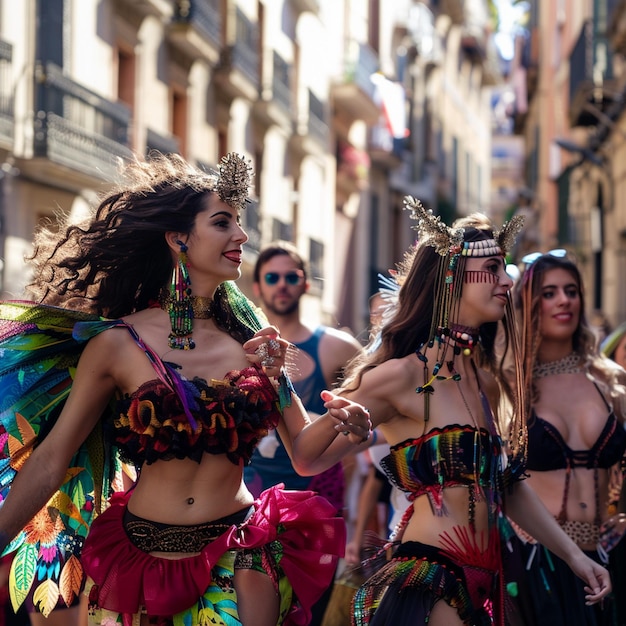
[151, 536]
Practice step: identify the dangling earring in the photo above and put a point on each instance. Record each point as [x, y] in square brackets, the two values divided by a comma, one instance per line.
[180, 307]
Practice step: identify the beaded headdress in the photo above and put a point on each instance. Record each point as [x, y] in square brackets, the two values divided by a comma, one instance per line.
[450, 246]
[453, 249]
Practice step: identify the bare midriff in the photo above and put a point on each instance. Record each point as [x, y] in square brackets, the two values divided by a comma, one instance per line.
[427, 526]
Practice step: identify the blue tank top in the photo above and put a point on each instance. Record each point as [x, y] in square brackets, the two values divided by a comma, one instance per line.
[270, 463]
[309, 388]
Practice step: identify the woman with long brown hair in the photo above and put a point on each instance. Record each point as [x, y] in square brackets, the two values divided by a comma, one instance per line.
[434, 388]
[157, 356]
[576, 437]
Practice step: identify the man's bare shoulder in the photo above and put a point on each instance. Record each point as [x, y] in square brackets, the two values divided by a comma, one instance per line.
[341, 338]
[340, 345]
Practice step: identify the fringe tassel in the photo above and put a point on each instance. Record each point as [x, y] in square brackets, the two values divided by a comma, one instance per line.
[180, 308]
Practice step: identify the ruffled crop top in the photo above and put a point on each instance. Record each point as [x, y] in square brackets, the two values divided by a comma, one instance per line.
[171, 417]
[231, 416]
[444, 457]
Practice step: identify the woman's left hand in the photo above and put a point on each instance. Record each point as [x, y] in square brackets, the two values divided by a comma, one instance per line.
[597, 579]
[352, 419]
[268, 350]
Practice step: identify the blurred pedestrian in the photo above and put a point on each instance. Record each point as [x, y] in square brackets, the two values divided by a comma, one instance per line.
[281, 279]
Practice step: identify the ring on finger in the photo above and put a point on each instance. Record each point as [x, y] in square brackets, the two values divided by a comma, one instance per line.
[267, 361]
[273, 344]
[262, 351]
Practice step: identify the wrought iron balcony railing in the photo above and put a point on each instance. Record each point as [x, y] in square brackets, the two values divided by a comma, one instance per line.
[77, 127]
[204, 15]
[244, 54]
[591, 68]
[281, 87]
[317, 125]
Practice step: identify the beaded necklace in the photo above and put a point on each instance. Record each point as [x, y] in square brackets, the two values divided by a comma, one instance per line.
[570, 364]
[460, 339]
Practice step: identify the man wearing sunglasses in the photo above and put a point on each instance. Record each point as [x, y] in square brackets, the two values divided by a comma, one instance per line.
[280, 281]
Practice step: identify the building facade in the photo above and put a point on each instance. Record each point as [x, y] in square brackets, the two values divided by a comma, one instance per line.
[574, 131]
[342, 106]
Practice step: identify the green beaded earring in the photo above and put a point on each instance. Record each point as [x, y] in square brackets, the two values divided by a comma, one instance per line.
[180, 307]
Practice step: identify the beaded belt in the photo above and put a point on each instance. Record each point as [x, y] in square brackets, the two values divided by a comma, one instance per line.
[582, 533]
[151, 536]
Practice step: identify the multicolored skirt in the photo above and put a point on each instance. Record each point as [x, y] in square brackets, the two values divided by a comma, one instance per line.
[295, 535]
[405, 590]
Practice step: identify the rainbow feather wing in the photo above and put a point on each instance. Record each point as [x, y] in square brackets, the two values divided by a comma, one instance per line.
[39, 350]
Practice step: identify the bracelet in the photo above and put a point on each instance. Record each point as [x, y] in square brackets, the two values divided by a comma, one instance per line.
[285, 390]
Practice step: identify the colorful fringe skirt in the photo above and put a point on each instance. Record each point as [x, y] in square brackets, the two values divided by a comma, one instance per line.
[296, 534]
[405, 590]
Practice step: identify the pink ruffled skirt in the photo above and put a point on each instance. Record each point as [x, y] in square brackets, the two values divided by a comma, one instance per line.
[128, 581]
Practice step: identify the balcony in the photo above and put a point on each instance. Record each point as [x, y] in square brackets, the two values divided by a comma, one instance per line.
[157, 142]
[384, 149]
[197, 28]
[354, 95]
[303, 6]
[310, 134]
[77, 128]
[275, 104]
[317, 125]
[237, 72]
[157, 8]
[591, 77]
[387, 138]
[7, 118]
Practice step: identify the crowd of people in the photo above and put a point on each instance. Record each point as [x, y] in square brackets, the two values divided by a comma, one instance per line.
[486, 410]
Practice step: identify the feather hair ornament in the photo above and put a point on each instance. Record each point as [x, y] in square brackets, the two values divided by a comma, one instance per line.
[433, 232]
[506, 236]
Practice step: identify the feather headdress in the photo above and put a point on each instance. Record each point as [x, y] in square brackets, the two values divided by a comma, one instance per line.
[448, 240]
[455, 245]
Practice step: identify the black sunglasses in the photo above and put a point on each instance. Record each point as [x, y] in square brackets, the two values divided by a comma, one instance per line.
[291, 278]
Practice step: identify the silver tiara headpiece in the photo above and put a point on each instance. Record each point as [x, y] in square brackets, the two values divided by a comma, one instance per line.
[233, 184]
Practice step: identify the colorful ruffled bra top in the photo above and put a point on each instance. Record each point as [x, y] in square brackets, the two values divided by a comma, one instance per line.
[231, 416]
[444, 457]
[456, 455]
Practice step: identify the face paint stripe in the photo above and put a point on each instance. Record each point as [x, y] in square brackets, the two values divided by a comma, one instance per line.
[480, 276]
